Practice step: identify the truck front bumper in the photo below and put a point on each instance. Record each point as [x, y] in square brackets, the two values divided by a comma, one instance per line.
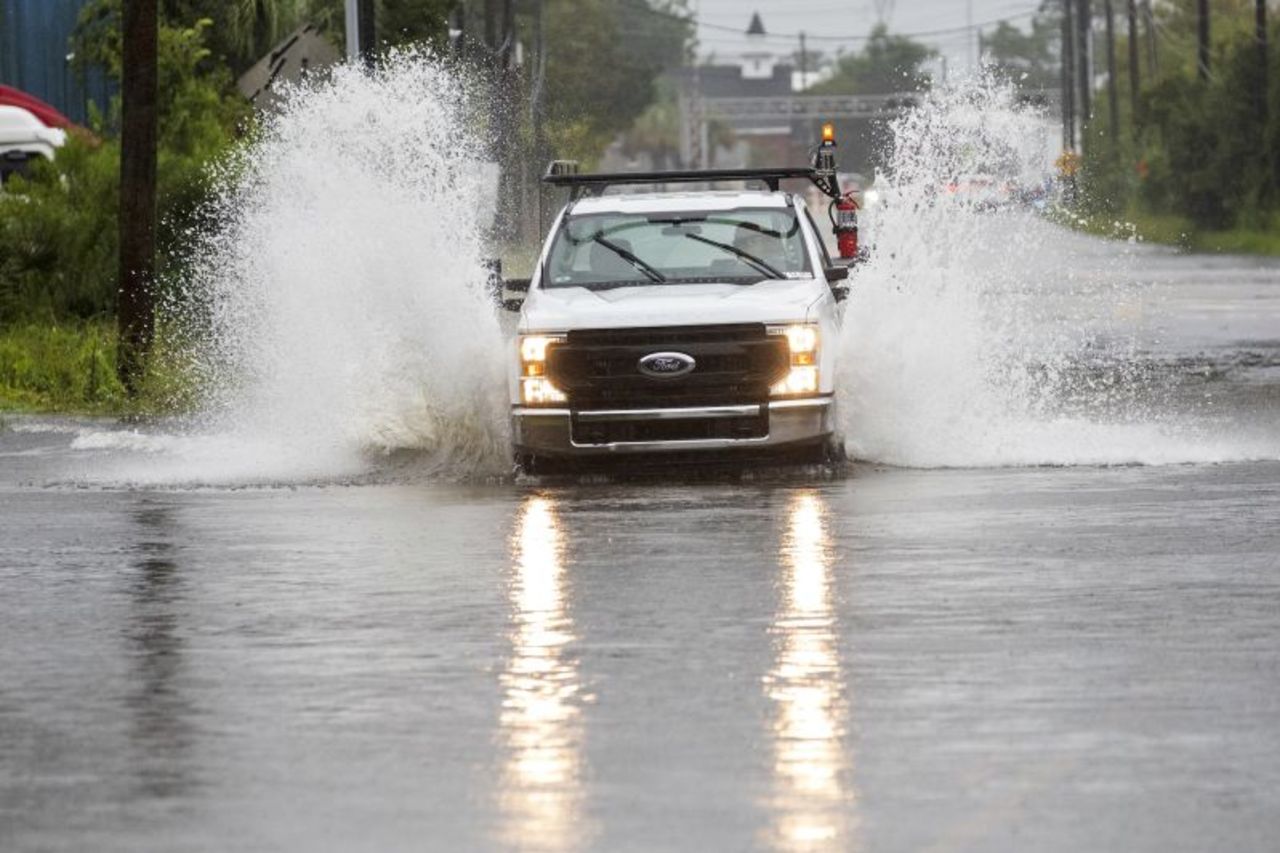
[559, 432]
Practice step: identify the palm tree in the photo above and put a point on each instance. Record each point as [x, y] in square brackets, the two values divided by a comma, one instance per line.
[244, 30]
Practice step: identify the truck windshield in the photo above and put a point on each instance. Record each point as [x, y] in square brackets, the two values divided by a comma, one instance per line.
[738, 246]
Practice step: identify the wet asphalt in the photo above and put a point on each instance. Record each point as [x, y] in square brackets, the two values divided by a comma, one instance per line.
[874, 658]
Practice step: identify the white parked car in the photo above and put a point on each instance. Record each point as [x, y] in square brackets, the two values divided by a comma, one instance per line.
[670, 322]
[24, 137]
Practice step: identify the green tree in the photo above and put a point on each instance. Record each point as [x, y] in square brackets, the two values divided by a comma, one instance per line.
[887, 63]
[1177, 22]
[1206, 145]
[604, 57]
[57, 257]
[1029, 59]
[242, 31]
[399, 22]
[1203, 151]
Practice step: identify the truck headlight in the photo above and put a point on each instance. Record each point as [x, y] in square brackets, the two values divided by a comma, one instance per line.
[535, 388]
[802, 378]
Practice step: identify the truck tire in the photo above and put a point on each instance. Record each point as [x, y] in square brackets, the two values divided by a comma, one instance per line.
[527, 464]
[829, 451]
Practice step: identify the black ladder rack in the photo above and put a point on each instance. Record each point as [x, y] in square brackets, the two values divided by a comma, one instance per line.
[597, 183]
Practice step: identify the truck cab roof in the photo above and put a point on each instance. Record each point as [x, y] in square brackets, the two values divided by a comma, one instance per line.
[702, 200]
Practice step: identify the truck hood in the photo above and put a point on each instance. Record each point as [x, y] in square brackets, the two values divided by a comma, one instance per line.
[565, 308]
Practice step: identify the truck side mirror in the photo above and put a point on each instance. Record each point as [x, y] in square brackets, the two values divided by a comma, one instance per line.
[836, 275]
[514, 285]
[493, 278]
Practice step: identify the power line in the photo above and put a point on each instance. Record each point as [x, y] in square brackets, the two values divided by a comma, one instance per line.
[790, 37]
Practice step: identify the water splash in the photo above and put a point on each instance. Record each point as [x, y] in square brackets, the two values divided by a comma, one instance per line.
[979, 334]
[338, 308]
[337, 312]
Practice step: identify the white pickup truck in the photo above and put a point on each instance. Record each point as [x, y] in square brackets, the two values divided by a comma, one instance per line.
[678, 322]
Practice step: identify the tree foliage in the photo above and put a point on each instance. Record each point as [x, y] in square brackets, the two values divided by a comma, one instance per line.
[888, 63]
[604, 57]
[1205, 151]
[241, 31]
[58, 234]
[1029, 59]
[1208, 153]
[398, 22]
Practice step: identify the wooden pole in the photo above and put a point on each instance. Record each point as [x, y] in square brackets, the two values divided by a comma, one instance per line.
[492, 11]
[135, 297]
[1202, 54]
[368, 31]
[1153, 58]
[1260, 35]
[1113, 105]
[1084, 63]
[1068, 78]
[1135, 79]
[804, 63]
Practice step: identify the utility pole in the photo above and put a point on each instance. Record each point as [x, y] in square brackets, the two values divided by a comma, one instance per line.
[1202, 56]
[1084, 64]
[1260, 35]
[507, 49]
[491, 24]
[135, 298]
[804, 63]
[499, 47]
[361, 30]
[968, 22]
[537, 84]
[1134, 79]
[458, 31]
[1068, 79]
[539, 75]
[1113, 107]
[1153, 60]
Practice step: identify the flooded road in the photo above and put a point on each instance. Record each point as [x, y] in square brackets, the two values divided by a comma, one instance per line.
[880, 658]
[1019, 659]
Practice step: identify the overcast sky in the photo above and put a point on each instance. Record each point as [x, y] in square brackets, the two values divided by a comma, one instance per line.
[820, 19]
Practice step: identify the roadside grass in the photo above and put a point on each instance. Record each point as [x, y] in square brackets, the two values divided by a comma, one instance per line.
[69, 368]
[1173, 230]
[59, 368]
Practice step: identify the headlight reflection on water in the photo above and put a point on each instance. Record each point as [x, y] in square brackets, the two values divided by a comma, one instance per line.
[812, 804]
[541, 726]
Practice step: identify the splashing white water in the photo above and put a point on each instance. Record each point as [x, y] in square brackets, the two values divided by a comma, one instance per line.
[339, 299]
[339, 308]
[981, 335]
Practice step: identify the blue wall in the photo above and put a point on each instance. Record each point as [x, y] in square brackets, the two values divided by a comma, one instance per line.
[34, 43]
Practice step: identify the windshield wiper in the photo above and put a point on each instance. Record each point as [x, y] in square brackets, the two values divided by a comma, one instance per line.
[650, 272]
[750, 259]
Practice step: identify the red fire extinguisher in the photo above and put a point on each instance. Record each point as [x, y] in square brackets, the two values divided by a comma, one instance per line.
[845, 225]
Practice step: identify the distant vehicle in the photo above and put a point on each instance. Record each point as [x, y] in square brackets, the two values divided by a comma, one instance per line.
[24, 138]
[982, 191]
[677, 321]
